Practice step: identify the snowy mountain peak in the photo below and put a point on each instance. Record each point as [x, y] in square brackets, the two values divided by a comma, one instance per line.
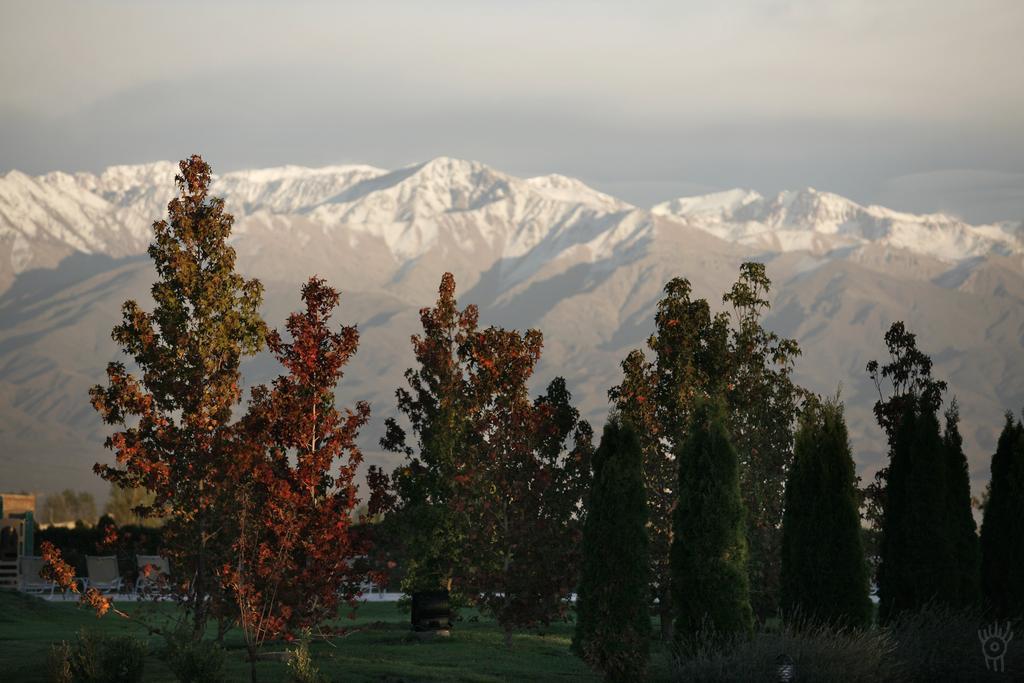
[456, 204]
[566, 189]
[821, 222]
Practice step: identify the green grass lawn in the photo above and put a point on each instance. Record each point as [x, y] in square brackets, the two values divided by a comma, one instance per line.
[379, 648]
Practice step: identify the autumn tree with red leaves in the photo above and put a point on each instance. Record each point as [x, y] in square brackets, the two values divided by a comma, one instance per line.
[175, 434]
[524, 497]
[293, 556]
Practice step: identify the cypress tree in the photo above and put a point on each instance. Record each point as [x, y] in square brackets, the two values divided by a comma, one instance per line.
[1002, 543]
[710, 587]
[613, 625]
[916, 549]
[824, 573]
[963, 532]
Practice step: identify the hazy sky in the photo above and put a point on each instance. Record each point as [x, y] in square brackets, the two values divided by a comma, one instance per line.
[915, 104]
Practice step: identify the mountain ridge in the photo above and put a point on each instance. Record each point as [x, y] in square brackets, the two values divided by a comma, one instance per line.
[548, 252]
[106, 212]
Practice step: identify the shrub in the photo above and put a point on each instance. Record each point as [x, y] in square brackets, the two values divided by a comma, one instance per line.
[819, 653]
[95, 658]
[942, 643]
[194, 661]
[59, 663]
[300, 665]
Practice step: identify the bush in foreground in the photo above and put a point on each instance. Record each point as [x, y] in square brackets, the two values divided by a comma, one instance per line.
[194, 661]
[95, 658]
[940, 643]
[819, 653]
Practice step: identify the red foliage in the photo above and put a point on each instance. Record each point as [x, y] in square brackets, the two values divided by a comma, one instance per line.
[56, 569]
[295, 550]
[524, 492]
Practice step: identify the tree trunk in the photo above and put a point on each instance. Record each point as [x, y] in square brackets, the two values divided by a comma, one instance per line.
[223, 626]
[199, 587]
[665, 612]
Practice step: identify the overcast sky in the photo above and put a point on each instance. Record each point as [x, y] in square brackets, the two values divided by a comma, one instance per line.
[914, 104]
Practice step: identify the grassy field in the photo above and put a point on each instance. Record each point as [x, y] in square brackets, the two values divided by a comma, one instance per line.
[380, 648]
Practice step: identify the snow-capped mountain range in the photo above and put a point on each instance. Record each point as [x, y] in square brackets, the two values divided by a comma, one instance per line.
[548, 252]
[409, 209]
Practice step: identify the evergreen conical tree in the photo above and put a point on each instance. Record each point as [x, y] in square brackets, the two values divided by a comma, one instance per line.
[916, 549]
[963, 532]
[824, 573]
[710, 587]
[613, 625]
[1002, 543]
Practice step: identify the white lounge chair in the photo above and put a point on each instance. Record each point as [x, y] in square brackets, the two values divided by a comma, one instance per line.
[103, 573]
[155, 581]
[29, 567]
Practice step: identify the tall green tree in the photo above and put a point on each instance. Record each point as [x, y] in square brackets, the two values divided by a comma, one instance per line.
[908, 379]
[613, 625]
[689, 348]
[824, 574]
[927, 546]
[916, 564]
[1002, 543]
[173, 418]
[490, 494]
[711, 594]
[965, 588]
[696, 352]
[763, 403]
[438, 407]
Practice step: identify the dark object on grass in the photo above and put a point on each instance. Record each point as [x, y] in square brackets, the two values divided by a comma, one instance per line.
[431, 611]
[785, 669]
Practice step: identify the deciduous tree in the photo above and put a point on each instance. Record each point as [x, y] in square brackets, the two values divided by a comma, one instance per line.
[438, 408]
[174, 415]
[523, 496]
[689, 348]
[294, 476]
